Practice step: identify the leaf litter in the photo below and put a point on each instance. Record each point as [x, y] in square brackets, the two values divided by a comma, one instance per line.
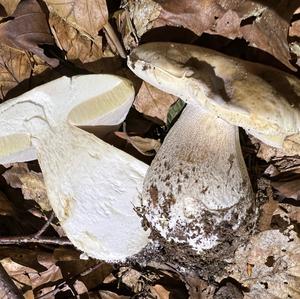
[268, 266]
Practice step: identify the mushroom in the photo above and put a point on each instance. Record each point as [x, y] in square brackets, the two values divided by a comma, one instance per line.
[197, 192]
[92, 186]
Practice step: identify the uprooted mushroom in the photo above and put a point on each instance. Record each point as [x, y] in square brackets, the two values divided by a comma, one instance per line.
[92, 186]
[197, 193]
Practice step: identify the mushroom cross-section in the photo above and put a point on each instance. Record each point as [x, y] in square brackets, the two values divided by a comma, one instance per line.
[197, 191]
[92, 186]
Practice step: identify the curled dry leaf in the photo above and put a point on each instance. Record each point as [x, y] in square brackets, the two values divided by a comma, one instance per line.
[154, 102]
[20, 32]
[31, 183]
[76, 45]
[88, 17]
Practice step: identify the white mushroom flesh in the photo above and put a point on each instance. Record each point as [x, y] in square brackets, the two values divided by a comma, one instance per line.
[92, 186]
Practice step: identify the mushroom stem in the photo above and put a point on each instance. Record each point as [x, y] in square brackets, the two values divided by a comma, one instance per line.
[85, 186]
[198, 182]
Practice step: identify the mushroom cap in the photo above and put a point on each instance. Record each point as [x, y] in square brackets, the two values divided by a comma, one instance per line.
[87, 100]
[261, 99]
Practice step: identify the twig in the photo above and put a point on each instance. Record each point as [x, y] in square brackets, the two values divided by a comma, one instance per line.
[32, 239]
[114, 39]
[8, 290]
[45, 226]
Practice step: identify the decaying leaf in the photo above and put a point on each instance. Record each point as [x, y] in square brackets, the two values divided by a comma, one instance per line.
[143, 13]
[88, 17]
[76, 45]
[275, 260]
[153, 102]
[22, 33]
[31, 183]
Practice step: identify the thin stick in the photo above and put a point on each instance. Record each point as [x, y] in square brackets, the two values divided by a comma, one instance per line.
[32, 239]
[44, 227]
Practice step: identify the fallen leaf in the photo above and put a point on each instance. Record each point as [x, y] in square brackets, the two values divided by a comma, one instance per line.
[130, 277]
[88, 17]
[126, 28]
[276, 265]
[160, 292]
[9, 6]
[76, 45]
[145, 146]
[6, 207]
[288, 187]
[20, 32]
[153, 102]
[80, 287]
[31, 183]
[143, 13]
[14, 68]
[268, 27]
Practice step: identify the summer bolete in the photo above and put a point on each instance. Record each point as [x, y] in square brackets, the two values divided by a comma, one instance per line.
[197, 192]
[92, 186]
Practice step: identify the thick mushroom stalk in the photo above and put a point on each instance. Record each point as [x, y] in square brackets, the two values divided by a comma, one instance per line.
[92, 186]
[197, 190]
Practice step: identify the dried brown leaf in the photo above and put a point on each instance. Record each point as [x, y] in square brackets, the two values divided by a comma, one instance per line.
[76, 45]
[288, 187]
[145, 146]
[130, 277]
[269, 30]
[14, 68]
[276, 265]
[143, 13]
[153, 102]
[88, 17]
[21, 32]
[9, 6]
[159, 292]
[31, 183]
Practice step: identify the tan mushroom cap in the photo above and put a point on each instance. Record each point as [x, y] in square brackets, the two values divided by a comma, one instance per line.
[261, 99]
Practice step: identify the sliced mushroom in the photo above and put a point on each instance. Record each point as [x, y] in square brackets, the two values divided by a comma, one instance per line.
[92, 186]
[197, 191]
